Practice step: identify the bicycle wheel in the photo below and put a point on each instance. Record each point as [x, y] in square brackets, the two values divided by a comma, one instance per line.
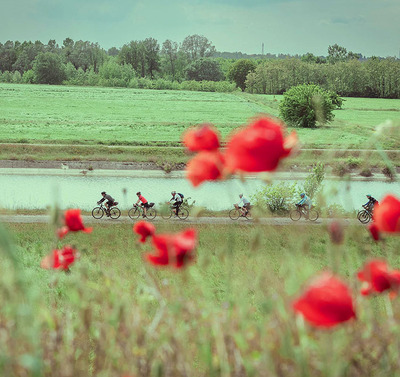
[97, 212]
[313, 215]
[115, 213]
[166, 214]
[183, 213]
[151, 213]
[134, 213]
[249, 216]
[364, 216]
[234, 214]
[295, 214]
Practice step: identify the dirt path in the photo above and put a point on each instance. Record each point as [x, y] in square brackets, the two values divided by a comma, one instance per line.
[276, 221]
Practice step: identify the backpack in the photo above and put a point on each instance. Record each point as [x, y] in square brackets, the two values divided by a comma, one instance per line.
[181, 195]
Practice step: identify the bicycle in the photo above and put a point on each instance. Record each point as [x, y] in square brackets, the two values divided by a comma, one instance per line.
[136, 211]
[113, 211]
[181, 212]
[295, 214]
[236, 212]
[364, 216]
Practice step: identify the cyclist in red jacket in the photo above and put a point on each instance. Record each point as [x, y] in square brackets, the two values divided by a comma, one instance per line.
[143, 203]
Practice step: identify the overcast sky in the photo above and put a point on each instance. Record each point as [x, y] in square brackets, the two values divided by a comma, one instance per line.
[371, 27]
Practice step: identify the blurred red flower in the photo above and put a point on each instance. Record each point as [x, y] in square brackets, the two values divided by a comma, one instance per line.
[173, 249]
[387, 214]
[373, 229]
[326, 302]
[258, 147]
[378, 278]
[144, 229]
[205, 166]
[201, 138]
[60, 259]
[336, 232]
[73, 223]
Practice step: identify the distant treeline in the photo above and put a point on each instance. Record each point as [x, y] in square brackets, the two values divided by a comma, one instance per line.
[194, 64]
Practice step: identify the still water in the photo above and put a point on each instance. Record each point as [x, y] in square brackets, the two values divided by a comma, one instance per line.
[41, 191]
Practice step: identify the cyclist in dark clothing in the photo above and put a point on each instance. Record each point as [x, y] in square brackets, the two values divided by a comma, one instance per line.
[177, 200]
[370, 204]
[109, 203]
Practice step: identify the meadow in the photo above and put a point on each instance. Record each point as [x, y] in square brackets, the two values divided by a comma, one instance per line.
[87, 115]
[228, 314]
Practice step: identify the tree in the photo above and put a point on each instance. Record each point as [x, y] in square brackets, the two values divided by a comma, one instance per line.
[239, 71]
[113, 51]
[8, 56]
[197, 46]
[305, 105]
[204, 69]
[151, 49]
[48, 68]
[27, 52]
[336, 54]
[170, 51]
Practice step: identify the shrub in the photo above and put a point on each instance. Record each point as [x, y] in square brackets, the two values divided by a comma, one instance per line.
[306, 105]
[276, 198]
[313, 182]
[366, 172]
[28, 77]
[353, 162]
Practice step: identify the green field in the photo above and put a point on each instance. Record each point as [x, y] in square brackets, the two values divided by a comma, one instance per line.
[228, 314]
[81, 123]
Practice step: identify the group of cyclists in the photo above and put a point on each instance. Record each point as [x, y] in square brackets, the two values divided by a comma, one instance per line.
[244, 204]
[176, 201]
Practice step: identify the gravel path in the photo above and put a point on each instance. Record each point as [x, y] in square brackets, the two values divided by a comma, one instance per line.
[276, 221]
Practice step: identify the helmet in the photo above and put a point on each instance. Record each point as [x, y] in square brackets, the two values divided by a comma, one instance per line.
[103, 193]
[138, 193]
[240, 195]
[302, 194]
[173, 192]
[368, 195]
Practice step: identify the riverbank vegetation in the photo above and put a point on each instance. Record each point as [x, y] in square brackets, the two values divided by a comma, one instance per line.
[228, 313]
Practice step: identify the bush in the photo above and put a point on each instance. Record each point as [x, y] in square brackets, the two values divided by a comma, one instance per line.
[277, 198]
[305, 105]
[366, 172]
[28, 77]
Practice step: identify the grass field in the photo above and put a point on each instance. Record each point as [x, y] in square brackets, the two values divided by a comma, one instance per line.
[229, 314]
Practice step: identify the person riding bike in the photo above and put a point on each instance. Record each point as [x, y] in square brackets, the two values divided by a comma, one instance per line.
[369, 206]
[305, 203]
[246, 205]
[177, 199]
[143, 203]
[109, 203]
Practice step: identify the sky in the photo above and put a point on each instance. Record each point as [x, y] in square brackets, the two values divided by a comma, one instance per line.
[369, 27]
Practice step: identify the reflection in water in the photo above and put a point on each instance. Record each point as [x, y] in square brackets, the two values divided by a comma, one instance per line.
[40, 191]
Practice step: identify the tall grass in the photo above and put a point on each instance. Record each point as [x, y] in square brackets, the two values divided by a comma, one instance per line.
[229, 314]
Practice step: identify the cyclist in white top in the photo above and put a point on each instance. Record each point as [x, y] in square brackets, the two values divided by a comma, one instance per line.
[246, 205]
[305, 203]
[177, 202]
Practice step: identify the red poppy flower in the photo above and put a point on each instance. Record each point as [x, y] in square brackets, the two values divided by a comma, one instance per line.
[378, 278]
[73, 223]
[336, 232]
[258, 147]
[326, 302]
[205, 166]
[144, 229]
[387, 214]
[60, 259]
[173, 249]
[201, 138]
[373, 229]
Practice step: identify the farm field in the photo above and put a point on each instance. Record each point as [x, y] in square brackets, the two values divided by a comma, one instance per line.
[41, 123]
[227, 314]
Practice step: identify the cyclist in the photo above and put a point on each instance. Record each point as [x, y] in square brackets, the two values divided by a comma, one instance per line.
[369, 206]
[245, 208]
[109, 203]
[143, 203]
[177, 199]
[305, 203]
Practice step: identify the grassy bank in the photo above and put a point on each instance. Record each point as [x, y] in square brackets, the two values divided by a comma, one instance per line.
[59, 114]
[228, 314]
